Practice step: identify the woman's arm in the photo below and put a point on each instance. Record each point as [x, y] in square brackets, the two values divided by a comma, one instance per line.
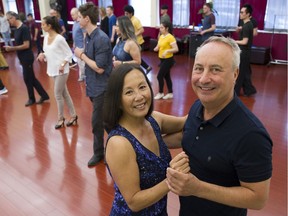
[121, 159]
[171, 128]
[133, 49]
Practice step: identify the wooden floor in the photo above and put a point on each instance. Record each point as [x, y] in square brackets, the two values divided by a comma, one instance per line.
[44, 171]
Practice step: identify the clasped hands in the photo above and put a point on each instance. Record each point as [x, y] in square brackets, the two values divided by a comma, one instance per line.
[179, 179]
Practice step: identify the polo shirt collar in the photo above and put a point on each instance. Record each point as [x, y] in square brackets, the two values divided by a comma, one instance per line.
[222, 115]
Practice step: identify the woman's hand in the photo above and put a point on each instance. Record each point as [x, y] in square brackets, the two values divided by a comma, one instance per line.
[41, 57]
[180, 163]
[117, 63]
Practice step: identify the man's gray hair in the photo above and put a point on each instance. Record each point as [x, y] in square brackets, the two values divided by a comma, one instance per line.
[228, 41]
[12, 13]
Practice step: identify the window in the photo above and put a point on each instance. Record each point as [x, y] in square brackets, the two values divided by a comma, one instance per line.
[12, 6]
[181, 13]
[228, 13]
[80, 2]
[145, 11]
[29, 7]
[105, 3]
[276, 15]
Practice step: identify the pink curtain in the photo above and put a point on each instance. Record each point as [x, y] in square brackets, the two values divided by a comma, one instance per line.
[194, 8]
[94, 1]
[70, 5]
[118, 7]
[259, 9]
[1, 7]
[169, 3]
[20, 6]
[36, 10]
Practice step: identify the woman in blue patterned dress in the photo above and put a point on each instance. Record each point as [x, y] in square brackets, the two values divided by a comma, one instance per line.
[136, 154]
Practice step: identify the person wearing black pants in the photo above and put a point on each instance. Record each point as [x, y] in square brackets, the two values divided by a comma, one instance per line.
[245, 42]
[3, 90]
[26, 58]
[166, 46]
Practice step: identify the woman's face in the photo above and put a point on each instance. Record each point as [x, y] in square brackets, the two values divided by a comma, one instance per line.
[163, 29]
[136, 95]
[44, 26]
[117, 29]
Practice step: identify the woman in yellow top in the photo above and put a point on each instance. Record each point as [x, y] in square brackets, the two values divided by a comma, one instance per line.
[166, 46]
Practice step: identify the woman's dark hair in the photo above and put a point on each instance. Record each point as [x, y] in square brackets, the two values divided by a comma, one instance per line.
[53, 22]
[168, 25]
[112, 110]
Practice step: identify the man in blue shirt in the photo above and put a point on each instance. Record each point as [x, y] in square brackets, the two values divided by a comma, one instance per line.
[98, 66]
[112, 24]
[229, 150]
[78, 41]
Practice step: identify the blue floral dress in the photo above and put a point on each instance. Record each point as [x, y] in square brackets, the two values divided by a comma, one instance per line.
[152, 170]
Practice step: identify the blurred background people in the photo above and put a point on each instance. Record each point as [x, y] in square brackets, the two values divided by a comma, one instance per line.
[209, 22]
[139, 30]
[126, 49]
[5, 30]
[245, 42]
[58, 54]
[166, 47]
[3, 89]
[35, 31]
[104, 23]
[112, 24]
[3, 62]
[25, 54]
[78, 35]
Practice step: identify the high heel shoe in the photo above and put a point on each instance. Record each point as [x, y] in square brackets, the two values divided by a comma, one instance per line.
[60, 123]
[72, 121]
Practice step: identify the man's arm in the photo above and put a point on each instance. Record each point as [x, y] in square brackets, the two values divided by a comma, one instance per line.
[248, 195]
[25, 45]
[213, 27]
[140, 31]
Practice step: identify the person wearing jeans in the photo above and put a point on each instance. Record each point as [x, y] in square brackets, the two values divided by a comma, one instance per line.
[58, 54]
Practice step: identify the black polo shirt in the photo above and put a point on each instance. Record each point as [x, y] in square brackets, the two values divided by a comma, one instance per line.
[231, 147]
[22, 34]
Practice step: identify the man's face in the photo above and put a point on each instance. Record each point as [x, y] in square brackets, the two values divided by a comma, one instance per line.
[82, 20]
[29, 18]
[11, 20]
[206, 9]
[213, 77]
[244, 14]
[128, 14]
[108, 11]
[52, 12]
[163, 11]
[74, 15]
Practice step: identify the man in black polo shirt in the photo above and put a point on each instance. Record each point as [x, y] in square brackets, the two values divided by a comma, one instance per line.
[26, 58]
[229, 150]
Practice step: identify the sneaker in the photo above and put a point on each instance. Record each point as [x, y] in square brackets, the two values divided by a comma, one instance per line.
[159, 96]
[3, 91]
[168, 96]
